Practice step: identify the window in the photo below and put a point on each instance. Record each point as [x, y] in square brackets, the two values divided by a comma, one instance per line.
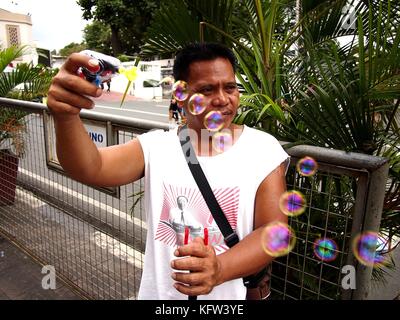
[13, 35]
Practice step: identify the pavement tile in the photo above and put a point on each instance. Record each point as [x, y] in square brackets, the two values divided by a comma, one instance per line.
[21, 277]
[18, 280]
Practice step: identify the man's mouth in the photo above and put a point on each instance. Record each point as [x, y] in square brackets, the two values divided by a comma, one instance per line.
[226, 113]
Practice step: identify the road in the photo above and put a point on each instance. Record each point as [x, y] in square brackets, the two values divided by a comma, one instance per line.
[154, 110]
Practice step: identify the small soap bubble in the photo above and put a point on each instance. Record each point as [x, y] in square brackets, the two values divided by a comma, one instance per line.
[307, 166]
[292, 203]
[222, 141]
[197, 104]
[180, 90]
[214, 121]
[325, 249]
[366, 249]
[278, 239]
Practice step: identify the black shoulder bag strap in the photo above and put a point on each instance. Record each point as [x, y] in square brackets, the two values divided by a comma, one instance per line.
[230, 236]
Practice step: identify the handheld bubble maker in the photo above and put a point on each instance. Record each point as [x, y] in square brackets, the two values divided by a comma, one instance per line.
[186, 241]
[107, 68]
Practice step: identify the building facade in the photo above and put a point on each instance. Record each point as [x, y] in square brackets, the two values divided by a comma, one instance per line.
[16, 30]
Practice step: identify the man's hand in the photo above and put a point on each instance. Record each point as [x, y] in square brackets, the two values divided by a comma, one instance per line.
[69, 92]
[203, 265]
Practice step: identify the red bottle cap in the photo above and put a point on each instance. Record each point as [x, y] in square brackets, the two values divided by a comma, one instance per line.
[206, 236]
[186, 240]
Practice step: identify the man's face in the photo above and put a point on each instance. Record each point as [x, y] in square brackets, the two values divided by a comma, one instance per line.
[214, 79]
[181, 201]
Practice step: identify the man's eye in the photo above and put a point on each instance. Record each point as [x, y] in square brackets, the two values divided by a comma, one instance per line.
[230, 88]
[206, 90]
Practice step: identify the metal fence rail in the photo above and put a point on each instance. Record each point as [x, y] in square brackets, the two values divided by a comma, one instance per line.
[343, 199]
[96, 243]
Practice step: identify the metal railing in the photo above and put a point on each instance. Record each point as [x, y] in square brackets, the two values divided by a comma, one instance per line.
[96, 242]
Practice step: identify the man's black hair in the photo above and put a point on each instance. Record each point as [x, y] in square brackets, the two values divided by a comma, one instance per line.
[195, 52]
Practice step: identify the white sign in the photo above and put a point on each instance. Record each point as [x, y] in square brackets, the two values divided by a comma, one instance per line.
[97, 132]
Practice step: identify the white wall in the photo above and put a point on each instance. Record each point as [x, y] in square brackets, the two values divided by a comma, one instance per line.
[57, 61]
[146, 70]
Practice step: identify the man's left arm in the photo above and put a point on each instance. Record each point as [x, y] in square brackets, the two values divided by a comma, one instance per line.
[245, 258]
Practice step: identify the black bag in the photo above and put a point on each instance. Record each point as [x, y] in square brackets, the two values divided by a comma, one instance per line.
[258, 285]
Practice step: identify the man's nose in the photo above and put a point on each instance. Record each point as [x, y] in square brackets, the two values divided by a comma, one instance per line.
[220, 99]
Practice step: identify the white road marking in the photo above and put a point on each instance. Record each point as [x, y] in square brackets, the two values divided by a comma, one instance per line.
[136, 111]
[119, 249]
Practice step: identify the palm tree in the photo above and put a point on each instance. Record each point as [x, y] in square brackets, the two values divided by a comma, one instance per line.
[263, 34]
[22, 74]
[35, 81]
[306, 88]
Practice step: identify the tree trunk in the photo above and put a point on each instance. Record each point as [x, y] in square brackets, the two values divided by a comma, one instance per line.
[115, 42]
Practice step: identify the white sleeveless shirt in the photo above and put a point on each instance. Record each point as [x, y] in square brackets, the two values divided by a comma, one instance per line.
[173, 201]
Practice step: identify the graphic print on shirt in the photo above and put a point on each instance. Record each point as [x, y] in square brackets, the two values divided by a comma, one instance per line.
[185, 207]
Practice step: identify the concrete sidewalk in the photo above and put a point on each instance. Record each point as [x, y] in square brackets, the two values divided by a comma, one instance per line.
[21, 277]
[100, 265]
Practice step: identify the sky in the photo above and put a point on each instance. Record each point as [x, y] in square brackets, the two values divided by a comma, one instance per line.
[55, 23]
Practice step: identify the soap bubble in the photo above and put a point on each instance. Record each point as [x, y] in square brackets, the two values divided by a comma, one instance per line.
[307, 166]
[222, 141]
[214, 121]
[366, 247]
[325, 249]
[278, 239]
[180, 90]
[197, 104]
[292, 203]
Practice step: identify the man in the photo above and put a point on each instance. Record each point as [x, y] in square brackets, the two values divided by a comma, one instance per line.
[108, 85]
[173, 110]
[247, 180]
[181, 218]
[176, 110]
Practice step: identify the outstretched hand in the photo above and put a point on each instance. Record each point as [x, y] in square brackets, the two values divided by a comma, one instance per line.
[204, 267]
[69, 93]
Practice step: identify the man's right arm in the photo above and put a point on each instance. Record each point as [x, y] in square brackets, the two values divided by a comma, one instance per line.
[78, 155]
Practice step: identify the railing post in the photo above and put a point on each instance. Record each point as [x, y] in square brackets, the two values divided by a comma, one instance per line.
[372, 219]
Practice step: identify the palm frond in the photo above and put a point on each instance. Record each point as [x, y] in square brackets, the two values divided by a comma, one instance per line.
[177, 23]
[23, 73]
[9, 54]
